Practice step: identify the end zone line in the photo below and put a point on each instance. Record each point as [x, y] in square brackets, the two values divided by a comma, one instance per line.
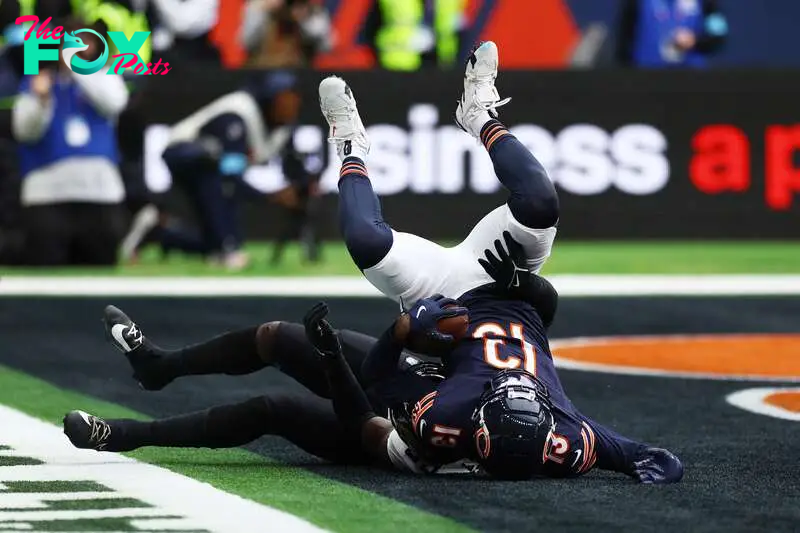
[567, 285]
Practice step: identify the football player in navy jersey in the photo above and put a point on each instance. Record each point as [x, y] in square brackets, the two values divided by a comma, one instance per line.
[500, 401]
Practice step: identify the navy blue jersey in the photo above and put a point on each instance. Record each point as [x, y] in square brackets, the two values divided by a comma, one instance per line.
[232, 125]
[508, 334]
[229, 130]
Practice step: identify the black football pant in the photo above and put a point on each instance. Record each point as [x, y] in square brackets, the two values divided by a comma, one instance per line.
[304, 415]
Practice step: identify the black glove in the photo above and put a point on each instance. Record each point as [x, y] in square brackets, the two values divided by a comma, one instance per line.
[320, 333]
[512, 277]
[509, 269]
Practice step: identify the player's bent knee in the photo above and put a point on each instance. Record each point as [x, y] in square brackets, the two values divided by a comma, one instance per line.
[368, 242]
[266, 336]
[536, 209]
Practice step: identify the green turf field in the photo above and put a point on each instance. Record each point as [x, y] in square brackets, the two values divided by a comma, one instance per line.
[324, 502]
[569, 257]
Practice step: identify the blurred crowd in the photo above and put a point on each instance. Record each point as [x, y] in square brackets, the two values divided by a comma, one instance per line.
[394, 34]
[72, 188]
[71, 182]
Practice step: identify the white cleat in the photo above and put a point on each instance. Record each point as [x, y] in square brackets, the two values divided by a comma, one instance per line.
[480, 98]
[339, 108]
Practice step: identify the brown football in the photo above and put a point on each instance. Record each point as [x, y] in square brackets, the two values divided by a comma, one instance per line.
[456, 326]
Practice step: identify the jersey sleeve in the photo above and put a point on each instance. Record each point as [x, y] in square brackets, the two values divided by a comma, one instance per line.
[610, 450]
[579, 444]
[443, 434]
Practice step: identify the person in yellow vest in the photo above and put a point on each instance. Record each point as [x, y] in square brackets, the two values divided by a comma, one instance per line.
[116, 17]
[405, 34]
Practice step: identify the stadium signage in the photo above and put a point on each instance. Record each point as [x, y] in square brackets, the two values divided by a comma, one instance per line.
[721, 162]
[427, 158]
[633, 154]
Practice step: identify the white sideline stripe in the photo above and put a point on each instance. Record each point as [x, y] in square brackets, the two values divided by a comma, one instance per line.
[199, 286]
[35, 500]
[35, 515]
[170, 494]
[167, 524]
[566, 285]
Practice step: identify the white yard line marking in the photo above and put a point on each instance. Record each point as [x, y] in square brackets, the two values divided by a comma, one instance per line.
[199, 505]
[34, 500]
[566, 284]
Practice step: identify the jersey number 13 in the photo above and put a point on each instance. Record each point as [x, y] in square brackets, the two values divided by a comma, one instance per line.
[491, 347]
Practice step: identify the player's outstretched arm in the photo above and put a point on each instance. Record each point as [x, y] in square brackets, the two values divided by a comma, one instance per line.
[415, 328]
[349, 399]
[382, 360]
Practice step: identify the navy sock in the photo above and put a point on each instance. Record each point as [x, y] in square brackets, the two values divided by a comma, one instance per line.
[367, 236]
[533, 200]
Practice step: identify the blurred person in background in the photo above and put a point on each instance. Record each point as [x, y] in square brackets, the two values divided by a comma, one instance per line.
[406, 34]
[181, 29]
[284, 33]
[208, 154]
[140, 202]
[127, 16]
[300, 201]
[670, 33]
[72, 191]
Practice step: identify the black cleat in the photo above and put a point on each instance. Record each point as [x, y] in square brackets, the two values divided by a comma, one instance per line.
[144, 358]
[121, 330]
[86, 431]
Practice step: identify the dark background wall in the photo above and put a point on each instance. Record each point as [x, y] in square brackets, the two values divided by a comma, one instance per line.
[633, 154]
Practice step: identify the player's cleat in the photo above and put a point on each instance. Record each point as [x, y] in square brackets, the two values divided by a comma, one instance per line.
[121, 330]
[86, 431]
[338, 105]
[127, 337]
[480, 99]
